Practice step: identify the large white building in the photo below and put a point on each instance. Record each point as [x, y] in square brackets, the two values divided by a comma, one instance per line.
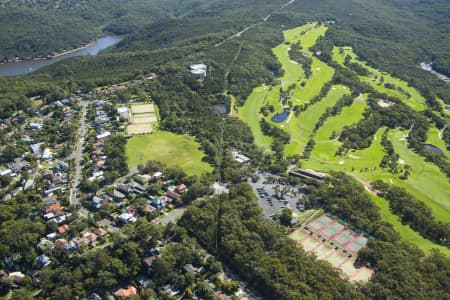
[198, 71]
[124, 112]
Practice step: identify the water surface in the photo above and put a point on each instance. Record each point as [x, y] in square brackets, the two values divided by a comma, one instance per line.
[28, 66]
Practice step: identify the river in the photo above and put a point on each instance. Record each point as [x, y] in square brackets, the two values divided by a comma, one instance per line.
[429, 68]
[28, 66]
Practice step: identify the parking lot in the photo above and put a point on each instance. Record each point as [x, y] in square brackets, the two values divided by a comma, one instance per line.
[274, 196]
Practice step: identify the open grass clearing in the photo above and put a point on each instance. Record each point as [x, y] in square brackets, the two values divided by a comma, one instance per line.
[171, 149]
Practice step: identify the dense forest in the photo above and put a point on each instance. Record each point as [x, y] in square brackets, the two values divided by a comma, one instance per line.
[262, 254]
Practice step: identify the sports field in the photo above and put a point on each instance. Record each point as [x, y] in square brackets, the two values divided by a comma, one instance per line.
[142, 119]
[324, 250]
[142, 108]
[171, 149]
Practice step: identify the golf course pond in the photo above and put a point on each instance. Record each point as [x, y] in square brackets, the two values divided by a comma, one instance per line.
[280, 117]
[434, 149]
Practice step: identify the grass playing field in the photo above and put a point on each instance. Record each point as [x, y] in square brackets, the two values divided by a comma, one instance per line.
[171, 149]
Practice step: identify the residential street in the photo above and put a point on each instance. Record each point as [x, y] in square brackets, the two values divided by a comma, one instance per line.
[78, 155]
[172, 216]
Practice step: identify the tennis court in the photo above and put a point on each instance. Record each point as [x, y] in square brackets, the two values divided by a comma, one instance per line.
[357, 244]
[310, 243]
[332, 230]
[322, 251]
[343, 238]
[364, 274]
[142, 108]
[335, 240]
[139, 129]
[320, 222]
[142, 118]
[298, 235]
[337, 259]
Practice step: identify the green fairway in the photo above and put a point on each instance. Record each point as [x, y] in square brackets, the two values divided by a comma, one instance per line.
[171, 149]
[325, 148]
[321, 74]
[377, 79]
[426, 181]
[406, 233]
[433, 139]
[249, 113]
[292, 70]
[357, 162]
[302, 126]
[306, 34]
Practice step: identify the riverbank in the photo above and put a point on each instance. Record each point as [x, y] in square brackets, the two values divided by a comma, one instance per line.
[57, 54]
[429, 68]
[28, 66]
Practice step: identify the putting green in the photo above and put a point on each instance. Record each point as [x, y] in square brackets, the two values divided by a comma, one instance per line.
[171, 149]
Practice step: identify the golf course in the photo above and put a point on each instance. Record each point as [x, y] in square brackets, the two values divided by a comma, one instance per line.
[425, 181]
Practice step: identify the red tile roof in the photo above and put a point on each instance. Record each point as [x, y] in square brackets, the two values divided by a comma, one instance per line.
[130, 291]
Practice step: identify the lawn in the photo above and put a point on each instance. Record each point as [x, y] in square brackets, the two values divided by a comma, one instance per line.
[377, 79]
[171, 149]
